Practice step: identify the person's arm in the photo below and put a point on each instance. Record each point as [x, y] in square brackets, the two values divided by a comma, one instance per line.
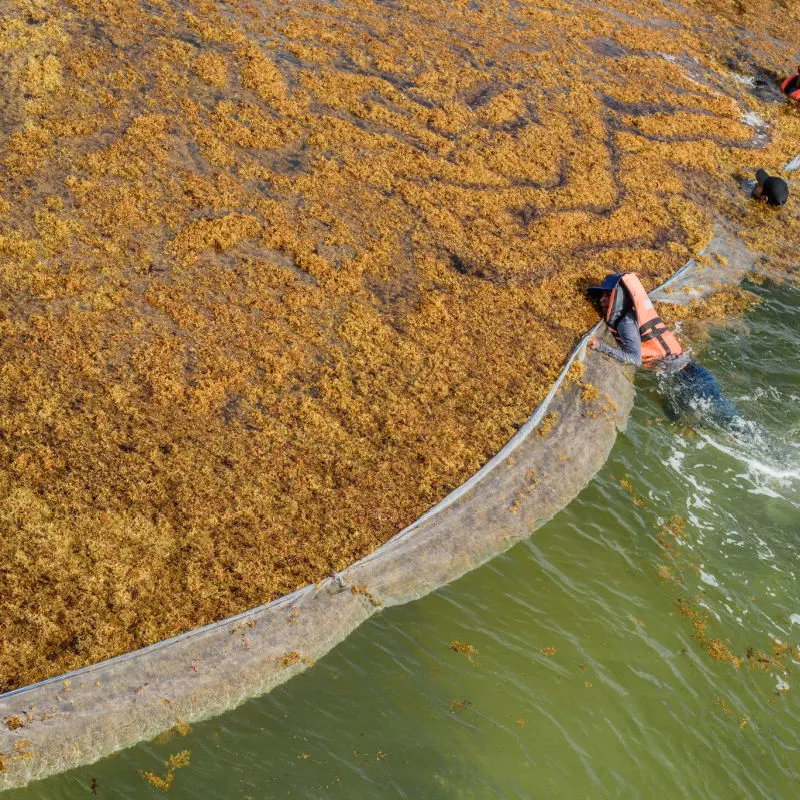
[631, 350]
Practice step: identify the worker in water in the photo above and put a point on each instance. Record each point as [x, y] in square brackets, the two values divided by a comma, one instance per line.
[769, 189]
[791, 86]
[644, 340]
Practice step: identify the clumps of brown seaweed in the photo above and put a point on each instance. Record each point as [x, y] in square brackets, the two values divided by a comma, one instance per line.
[275, 278]
[171, 765]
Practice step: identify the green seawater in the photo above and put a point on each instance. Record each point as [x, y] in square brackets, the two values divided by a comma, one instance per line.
[587, 680]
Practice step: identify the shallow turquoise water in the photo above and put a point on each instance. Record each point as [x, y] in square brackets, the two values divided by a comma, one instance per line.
[587, 681]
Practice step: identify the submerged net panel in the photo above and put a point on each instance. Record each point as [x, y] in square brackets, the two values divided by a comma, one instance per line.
[81, 717]
[725, 260]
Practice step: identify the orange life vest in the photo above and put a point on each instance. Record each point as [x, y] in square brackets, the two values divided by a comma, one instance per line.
[795, 94]
[657, 341]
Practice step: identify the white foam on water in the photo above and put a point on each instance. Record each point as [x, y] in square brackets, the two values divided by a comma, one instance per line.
[759, 392]
[764, 491]
[754, 121]
[695, 520]
[712, 611]
[793, 165]
[764, 551]
[795, 619]
[691, 67]
[698, 499]
[756, 466]
[745, 80]
[676, 459]
[710, 580]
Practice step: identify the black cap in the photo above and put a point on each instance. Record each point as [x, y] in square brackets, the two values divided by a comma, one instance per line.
[776, 190]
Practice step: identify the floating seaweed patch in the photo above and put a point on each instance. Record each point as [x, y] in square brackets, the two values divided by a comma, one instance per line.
[723, 705]
[364, 592]
[180, 728]
[548, 420]
[171, 765]
[589, 392]
[288, 659]
[465, 649]
[263, 285]
[714, 647]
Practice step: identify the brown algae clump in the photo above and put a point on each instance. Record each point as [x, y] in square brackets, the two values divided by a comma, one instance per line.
[715, 648]
[275, 279]
[289, 659]
[724, 303]
[589, 393]
[465, 649]
[548, 420]
[173, 763]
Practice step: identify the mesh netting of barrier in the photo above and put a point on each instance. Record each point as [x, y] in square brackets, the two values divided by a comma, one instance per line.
[80, 717]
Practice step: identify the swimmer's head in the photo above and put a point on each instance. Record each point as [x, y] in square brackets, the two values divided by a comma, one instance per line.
[774, 191]
[601, 295]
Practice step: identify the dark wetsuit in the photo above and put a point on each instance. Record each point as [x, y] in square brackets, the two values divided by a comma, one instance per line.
[683, 385]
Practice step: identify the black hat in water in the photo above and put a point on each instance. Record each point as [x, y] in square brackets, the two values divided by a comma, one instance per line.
[609, 282]
[775, 190]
